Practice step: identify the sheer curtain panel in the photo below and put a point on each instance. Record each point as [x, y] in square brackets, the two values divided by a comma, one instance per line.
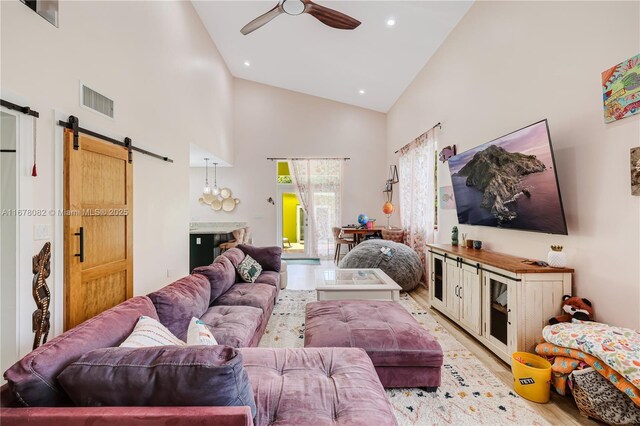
[417, 193]
[318, 184]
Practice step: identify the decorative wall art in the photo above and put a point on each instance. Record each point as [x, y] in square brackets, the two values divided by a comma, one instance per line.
[446, 197]
[224, 201]
[635, 171]
[41, 295]
[621, 90]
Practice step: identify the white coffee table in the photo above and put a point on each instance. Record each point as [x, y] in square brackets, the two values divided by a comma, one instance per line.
[355, 284]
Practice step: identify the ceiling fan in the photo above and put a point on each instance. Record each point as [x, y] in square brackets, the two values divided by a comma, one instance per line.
[327, 16]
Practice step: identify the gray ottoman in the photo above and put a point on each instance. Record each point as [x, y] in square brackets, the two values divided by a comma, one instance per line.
[403, 265]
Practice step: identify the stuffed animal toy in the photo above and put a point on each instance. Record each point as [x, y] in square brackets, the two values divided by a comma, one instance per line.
[574, 307]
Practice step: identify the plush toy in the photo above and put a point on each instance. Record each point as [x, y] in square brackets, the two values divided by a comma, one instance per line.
[574, 307]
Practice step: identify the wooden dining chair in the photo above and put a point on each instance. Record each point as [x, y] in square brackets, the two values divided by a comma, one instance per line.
[339, 242]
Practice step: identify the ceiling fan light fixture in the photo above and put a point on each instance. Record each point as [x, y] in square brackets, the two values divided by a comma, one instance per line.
[293, 7]
[327, 16]
[391, 22]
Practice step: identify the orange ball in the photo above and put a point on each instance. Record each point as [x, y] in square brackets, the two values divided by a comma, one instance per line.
[387, 208]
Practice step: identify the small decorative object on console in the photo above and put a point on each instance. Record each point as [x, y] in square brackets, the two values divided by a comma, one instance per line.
[574, 307]
[454, 236]
[477, 244]
[556, 258]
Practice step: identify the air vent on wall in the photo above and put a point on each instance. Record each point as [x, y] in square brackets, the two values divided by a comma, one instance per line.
[96, 101]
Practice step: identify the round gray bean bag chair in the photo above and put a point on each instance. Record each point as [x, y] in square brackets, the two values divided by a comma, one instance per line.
[401, 263]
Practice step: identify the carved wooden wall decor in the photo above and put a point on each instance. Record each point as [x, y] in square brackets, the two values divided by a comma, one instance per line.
[41, 294]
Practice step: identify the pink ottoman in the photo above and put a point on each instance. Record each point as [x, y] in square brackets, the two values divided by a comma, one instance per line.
[403, 353]
[316, 386]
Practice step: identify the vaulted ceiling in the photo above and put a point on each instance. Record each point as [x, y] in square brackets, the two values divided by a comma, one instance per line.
[369, 67]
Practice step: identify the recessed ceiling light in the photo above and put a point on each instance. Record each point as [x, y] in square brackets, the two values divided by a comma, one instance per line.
[247, 63]
[391, 22]
[361, 91]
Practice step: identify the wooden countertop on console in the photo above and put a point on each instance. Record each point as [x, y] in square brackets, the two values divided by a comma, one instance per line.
[498, 260]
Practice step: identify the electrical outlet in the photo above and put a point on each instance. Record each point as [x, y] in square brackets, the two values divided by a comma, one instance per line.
[169, 273]
[41, 231]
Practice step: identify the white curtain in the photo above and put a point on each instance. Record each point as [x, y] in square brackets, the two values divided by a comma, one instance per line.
[318, 184]
[417, 193]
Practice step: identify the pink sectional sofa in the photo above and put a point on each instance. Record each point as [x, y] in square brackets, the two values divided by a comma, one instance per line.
[332, 386]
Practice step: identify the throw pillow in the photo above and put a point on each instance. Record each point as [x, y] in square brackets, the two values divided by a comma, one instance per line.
[161, 376]
[149, 332]
[249, 269]
[199, 334]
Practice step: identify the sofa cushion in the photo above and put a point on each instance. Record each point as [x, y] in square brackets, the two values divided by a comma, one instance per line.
[261, 296]
[33, 378]
[269, 277]
[149, 332]
[160, 376]
[268, 257]
[235, 255]
[319, 386]
[233, 326]
[221, 275]
[180, 301]
[249, 269]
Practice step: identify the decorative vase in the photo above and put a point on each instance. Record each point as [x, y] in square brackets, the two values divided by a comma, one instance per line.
[454, 236]
[556, 258]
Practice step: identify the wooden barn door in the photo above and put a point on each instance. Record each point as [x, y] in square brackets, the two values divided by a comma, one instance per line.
[98, 234]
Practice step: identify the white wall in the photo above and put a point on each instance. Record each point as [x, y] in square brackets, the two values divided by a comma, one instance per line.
[170, 87]
[273, 122]
[8, 235]
[509, 64]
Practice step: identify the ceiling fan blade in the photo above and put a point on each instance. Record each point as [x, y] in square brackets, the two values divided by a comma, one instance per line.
[330, 17]
[262, 19]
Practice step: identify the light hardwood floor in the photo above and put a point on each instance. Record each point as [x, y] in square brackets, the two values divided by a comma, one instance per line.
[559, 411]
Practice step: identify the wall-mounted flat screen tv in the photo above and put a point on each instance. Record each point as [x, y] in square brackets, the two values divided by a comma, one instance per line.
[510, 182]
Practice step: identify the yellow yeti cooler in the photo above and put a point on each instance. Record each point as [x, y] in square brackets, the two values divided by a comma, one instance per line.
[531, 376]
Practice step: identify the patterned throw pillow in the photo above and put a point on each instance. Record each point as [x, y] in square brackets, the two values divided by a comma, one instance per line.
[199, 334]
[149, 332]
[249, 269]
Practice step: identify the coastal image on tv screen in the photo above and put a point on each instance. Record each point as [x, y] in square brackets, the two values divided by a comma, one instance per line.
[510, 182]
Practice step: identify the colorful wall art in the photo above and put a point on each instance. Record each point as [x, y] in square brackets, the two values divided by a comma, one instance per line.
[447, 200]
[635, 171]
[621, 90]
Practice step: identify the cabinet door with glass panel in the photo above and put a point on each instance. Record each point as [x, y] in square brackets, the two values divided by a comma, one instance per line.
[499, 316]
[438, 289]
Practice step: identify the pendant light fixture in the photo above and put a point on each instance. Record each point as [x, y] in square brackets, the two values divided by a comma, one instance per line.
[215, 190]
[207, 188]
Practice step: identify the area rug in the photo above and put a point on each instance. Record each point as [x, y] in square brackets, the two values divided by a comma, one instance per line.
[303, 261]
[469, 395]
